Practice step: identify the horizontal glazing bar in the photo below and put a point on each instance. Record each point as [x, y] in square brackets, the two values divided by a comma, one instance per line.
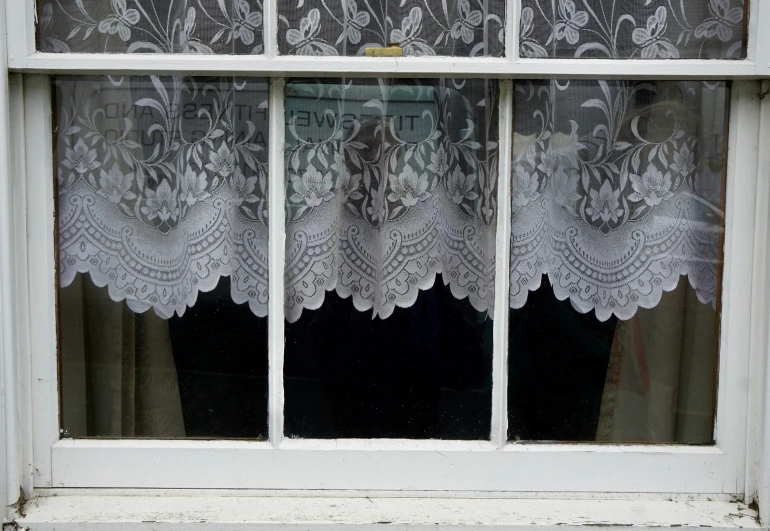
[381, 445]
[580, 468]
[385, 66]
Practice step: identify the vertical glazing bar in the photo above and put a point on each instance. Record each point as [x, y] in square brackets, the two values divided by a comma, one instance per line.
[758, 45]
[512, 30]
[20, 30]
[10, 444]
[758, 448]
[270, 21]
[760, 415]
[18, 184]
[502, 260]
[276, 255]
[738, 289]
[41, 271]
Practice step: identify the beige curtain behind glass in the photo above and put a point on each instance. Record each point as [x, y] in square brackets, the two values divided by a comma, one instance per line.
[118, 377]
[660, 379]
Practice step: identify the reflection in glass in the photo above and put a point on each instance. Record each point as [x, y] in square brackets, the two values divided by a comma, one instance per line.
[618, 199]
[459, 28]
[162, 191]
[390, 194]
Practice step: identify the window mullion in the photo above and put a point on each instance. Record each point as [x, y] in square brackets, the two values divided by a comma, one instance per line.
[270, 27]
[11, 435]
[511, 30]
[41, 266]
[757, 476]
[502, 260]
[17, 145]
[20, 31]
[758, 48]
[276, 258]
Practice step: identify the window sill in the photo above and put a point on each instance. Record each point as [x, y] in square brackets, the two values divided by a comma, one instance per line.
[64, 510]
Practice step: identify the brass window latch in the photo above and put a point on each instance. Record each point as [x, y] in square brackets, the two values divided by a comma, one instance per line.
[391, 50]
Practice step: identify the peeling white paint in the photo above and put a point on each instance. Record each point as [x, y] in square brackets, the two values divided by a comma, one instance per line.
[178, 512]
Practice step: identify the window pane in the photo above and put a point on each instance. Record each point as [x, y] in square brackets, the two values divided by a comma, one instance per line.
[631, 29]
[462, 28]
[150, 26]
[391, 190]
[422, 373]
[162, 191]
[618, 199]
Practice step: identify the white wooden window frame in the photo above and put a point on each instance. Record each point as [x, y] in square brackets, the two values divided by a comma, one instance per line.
[38, 459]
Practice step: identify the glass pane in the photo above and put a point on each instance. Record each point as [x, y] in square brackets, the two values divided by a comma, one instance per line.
[462, 28]
[391, 190]
[150, 26]
[631, 29]
[618, 197]
[162, 191]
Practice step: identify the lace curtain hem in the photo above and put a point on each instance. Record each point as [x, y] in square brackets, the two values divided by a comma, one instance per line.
[125, 258]
[617, 192]
[649, 265]
[384, 269]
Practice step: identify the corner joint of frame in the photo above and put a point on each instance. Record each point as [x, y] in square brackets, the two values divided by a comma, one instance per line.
[764, 89]
[278, 83]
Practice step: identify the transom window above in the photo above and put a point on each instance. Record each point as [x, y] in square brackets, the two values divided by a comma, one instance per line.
[611, 29]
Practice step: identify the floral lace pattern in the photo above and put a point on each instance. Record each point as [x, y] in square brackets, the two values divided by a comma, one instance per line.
[163, 188]
[388, 184]
[150, 26]
[617, 191]
[631, 29]
[468, 28]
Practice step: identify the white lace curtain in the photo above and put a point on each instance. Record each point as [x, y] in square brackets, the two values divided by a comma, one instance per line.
[616, 192]
[632, 29]
[669, 29]
[388, 184]
[163, 188]
[421, 27]
[150, 26]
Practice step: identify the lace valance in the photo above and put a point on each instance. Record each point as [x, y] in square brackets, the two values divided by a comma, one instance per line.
[150, 26]
[665, 29]
[163, 188]
[389, 184]
[632, 29]
[617, 190]
[462, 28]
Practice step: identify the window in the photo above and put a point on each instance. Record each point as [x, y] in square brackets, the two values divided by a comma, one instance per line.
[499, 247]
